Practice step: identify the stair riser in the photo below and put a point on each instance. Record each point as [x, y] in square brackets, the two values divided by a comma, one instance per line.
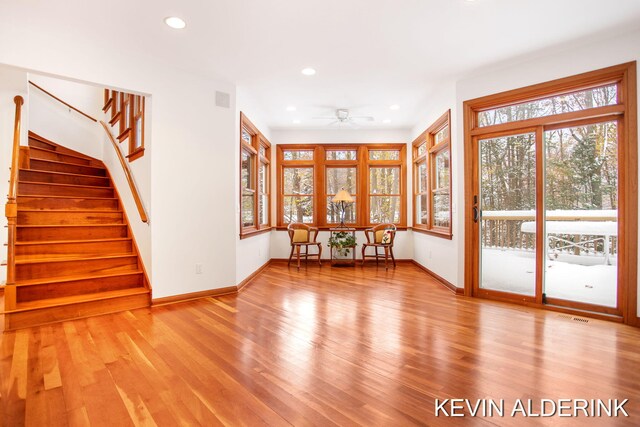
[84, 309]
[26, 189]
[77, 287]
[75, 248]
[66, 168]
[68, 268]
[45, 203]
[37, 176]
[39, 144]
[30, 234]
[58, 157]
[68, 218]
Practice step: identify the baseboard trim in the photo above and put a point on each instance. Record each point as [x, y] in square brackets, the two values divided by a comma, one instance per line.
[450, 286]
[194, 295]
[229, 290]
[252, 276]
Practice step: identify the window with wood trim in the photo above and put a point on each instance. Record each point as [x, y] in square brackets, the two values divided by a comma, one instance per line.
[127, 111]
[310, 175]
[432, 179]
[255, 171]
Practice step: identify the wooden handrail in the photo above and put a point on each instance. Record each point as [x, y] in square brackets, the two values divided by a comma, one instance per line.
[127, 172]
[11, 210]
[63, 102]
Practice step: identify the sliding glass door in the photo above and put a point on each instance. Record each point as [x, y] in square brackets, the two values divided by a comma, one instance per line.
[507, 222]
[548, 215]
[581, 215]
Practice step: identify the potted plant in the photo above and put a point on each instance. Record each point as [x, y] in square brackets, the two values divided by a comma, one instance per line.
[342, 242]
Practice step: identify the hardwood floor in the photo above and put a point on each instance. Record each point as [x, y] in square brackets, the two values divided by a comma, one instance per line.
[322, 346]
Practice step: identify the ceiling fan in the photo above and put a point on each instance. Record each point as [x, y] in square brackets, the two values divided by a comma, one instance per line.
[342, 116]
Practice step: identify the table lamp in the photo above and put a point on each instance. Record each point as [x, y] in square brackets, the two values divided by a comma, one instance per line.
[342, 197]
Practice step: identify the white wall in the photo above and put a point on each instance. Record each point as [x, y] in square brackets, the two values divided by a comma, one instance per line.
[254, 251]
[280, 247]
[537, 69]
[435, 253]
[141, 172]
[190, 192]
[53, 120]
[13, 82]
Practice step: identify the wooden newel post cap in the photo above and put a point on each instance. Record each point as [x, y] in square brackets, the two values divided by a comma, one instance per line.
[18, 100]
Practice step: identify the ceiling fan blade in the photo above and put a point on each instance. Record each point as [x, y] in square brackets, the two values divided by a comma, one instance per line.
[366, 118]
[333, 123]
[324, 118]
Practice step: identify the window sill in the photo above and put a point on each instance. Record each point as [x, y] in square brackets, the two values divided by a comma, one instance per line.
[434, 233]
[247, 234]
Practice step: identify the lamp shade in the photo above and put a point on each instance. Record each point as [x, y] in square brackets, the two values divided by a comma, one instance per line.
[342, 196]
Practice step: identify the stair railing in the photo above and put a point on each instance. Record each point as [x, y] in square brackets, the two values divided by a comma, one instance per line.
[11, 210]
[128, 174]
[132, 184]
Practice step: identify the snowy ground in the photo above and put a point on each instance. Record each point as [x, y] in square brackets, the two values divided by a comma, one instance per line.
[575, 278]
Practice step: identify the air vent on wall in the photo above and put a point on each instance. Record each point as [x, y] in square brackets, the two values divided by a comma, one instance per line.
[223, 99]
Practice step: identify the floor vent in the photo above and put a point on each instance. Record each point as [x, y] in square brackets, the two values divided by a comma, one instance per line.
[576, 319]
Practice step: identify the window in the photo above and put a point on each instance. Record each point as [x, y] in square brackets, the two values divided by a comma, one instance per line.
[255, 171]
[309, 176]
[551, 186]
[432, 179]
[127, 111]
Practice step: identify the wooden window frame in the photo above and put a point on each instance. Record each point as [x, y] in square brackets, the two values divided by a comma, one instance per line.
[428, 158]
[320, 164]
[257, 140]
[626, 114]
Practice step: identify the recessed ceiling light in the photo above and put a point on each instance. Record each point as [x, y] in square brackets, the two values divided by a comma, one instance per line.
[296, 122]
[308, 71]
[175, 22]
[386, 121]
[291, 108]
[394, 107]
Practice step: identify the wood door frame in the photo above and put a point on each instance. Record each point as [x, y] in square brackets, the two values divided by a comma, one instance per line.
[624, 75]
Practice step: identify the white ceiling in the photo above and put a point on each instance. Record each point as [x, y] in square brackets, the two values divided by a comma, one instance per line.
[368, 54]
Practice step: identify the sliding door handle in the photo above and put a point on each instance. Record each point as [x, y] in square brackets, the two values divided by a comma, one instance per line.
[476, 214]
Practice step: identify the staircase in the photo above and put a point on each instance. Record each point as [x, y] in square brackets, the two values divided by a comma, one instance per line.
[74, 254]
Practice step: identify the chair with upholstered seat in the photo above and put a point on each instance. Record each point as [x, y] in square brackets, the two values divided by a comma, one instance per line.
[302, 235]
[380, 236]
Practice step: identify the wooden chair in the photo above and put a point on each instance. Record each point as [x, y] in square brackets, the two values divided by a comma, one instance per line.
[374, 237]
[301, 235]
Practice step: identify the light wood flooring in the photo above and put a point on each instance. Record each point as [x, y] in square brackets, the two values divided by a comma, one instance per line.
[323, 346]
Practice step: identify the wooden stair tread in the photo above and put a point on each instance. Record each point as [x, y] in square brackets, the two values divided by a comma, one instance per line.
[58, 185]
[55, 145]
[29, 259]
[76, 277]
[49, 196]
[62, 301]
[70, 225]
[72, 210]
[64, 173]
[71, 164]
[75, 258]
[81, 157]
[58, 242]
